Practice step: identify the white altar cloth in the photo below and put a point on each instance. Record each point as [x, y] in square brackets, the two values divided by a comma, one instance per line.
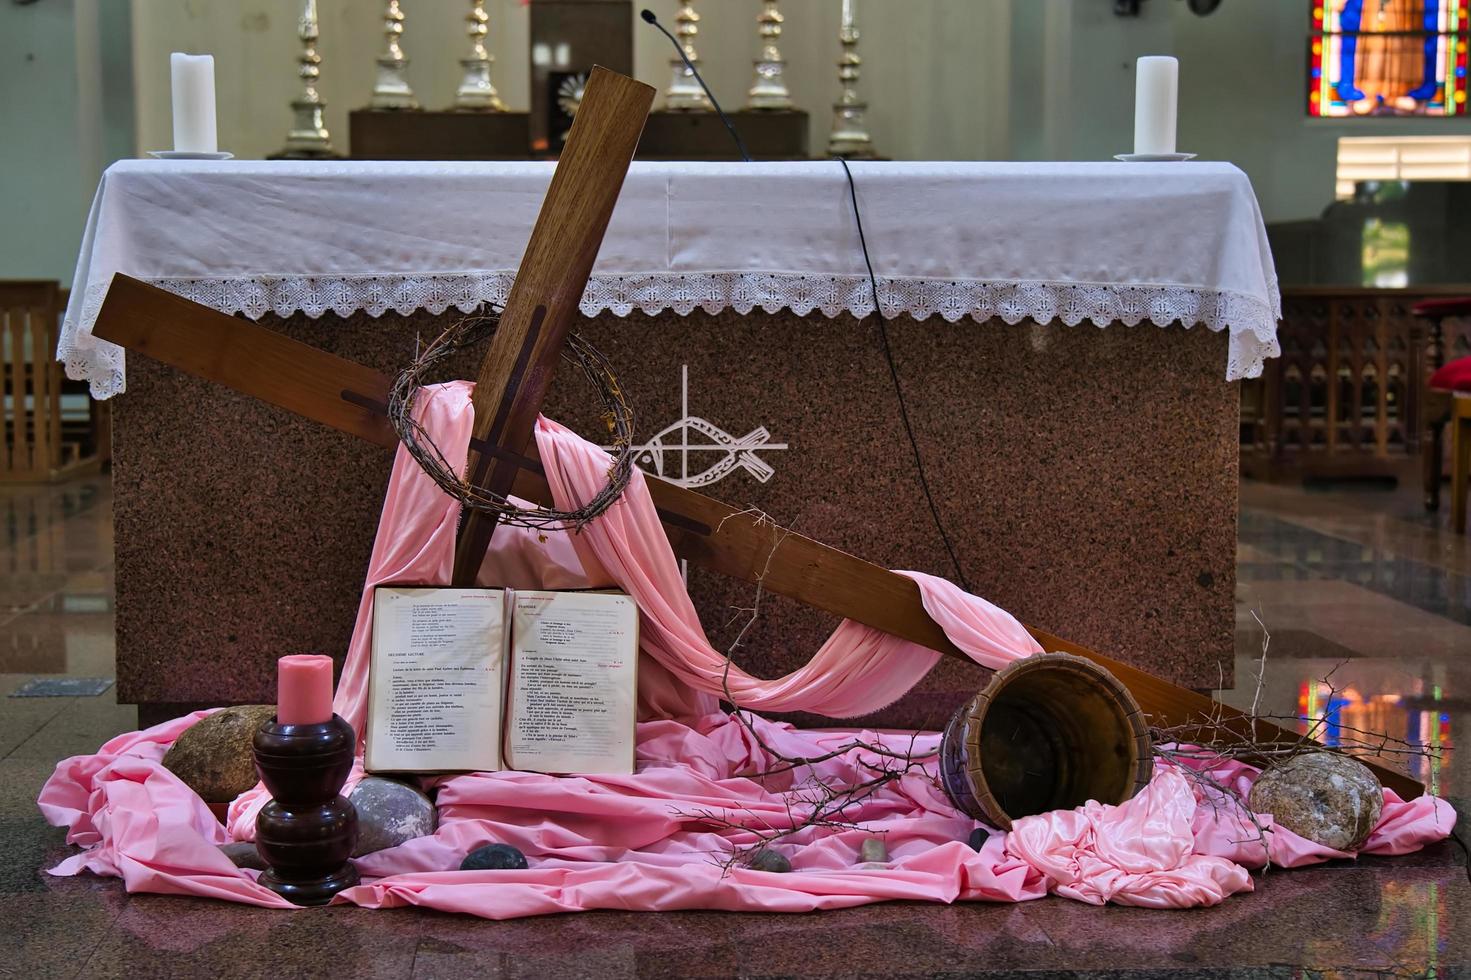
[1103, 242]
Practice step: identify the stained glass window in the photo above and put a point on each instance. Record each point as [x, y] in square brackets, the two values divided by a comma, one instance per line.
[1388, 58]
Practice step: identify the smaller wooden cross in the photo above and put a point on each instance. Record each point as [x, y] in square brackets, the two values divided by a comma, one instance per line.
[513, 380]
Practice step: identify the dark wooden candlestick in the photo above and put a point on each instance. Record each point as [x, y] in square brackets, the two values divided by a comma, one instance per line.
[307, 832]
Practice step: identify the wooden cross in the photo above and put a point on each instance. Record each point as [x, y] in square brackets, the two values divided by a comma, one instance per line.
[513, 380]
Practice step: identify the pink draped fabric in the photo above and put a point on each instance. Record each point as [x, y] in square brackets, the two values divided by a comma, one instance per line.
[1139, 853]
[657, 839]
[139, 822]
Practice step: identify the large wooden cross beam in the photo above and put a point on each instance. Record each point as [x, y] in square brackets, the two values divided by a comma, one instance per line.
[513, 380]
[544, 298]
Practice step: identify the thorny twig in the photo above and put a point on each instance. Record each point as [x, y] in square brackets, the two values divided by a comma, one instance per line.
[1261, 670]
[813, 802]
[1196, 749]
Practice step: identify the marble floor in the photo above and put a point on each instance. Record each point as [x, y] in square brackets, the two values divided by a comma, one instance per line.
[1368, 604]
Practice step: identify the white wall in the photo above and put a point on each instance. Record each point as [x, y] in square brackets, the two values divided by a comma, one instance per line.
[255, 48]
[1246, 103]
[946, 79]
[1242, 91]
[921, 62]
[65, 114]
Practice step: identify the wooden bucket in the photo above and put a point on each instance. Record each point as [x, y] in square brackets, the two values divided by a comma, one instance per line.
[1051, 731]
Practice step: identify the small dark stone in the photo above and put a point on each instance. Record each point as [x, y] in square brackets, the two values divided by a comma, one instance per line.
[244, 855]
[215, 757]
[494, 857]
[978, 838]
[874, 851]
[770, 861]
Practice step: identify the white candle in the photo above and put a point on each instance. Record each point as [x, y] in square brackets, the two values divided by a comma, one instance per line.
[1156, 84]
[194, 102]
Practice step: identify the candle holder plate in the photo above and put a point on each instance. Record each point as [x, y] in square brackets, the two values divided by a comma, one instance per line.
[188, 155]
[1153, 157]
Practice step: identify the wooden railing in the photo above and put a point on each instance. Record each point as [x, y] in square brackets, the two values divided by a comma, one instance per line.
[1346, 398]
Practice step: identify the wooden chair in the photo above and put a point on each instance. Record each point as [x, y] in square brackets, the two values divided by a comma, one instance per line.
[43, 437]
[1439, 405]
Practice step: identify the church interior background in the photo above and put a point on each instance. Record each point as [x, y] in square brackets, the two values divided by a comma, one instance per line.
[1197, 415]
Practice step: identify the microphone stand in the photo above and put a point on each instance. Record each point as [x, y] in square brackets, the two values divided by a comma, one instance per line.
[648, 16]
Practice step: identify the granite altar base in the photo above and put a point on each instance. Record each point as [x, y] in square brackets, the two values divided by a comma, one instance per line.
[1087, 478]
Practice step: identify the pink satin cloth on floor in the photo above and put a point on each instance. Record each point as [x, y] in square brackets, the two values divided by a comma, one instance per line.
[647, 841]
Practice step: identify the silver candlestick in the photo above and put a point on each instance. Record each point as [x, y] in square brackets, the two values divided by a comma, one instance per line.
[308, 136]
[391, 90]
[684, 90]
[770, 88]
[849, 137]
[476, 92]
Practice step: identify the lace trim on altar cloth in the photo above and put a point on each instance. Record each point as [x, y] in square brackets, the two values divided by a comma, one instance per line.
[1251, 322]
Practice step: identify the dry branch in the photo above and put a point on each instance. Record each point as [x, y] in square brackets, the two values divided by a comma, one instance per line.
[810, 802]
[1198, 747]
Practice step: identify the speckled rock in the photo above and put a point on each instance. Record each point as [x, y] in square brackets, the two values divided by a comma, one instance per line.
[213, 755]
[494, 857]
[770, 861]
[390, 813]
[244, 855]
[874, 853]
[1328, 798]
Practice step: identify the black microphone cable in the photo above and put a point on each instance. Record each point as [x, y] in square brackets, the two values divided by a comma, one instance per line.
[878, 310]
[648, 16]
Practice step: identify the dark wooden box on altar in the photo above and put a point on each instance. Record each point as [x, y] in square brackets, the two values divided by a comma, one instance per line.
[702, 136]
[1086, 476]
[382, 134]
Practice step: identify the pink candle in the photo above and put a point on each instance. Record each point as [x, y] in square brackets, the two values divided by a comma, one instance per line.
[304, 689]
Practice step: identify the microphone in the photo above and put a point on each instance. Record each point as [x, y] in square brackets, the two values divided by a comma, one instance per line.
[649, 18]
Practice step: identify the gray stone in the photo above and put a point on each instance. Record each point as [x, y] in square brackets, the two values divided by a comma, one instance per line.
[244, 855]
[214, 757]
[1328, 798]
[874, 851]
[494, 857]
[390, 813]
[770, 861]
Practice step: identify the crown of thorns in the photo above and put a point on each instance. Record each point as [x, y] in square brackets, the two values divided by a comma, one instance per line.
[469, 332]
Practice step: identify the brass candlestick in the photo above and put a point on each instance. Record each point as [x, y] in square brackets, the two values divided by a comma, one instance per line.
[476, 91]
[308, 831]
[769, 91]
[308, 136]
[849, 137]
[684, 90]
[391, 90]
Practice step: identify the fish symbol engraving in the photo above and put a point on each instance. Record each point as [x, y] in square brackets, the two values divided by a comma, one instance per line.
[670, 449]
[738, 452]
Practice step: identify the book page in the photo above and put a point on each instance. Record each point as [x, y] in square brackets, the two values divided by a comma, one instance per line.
[437, 680]
[573, 692]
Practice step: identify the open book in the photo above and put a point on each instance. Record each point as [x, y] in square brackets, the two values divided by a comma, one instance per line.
[479, 680]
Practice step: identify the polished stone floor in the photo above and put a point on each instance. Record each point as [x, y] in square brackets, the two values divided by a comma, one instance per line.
[1368, 602]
